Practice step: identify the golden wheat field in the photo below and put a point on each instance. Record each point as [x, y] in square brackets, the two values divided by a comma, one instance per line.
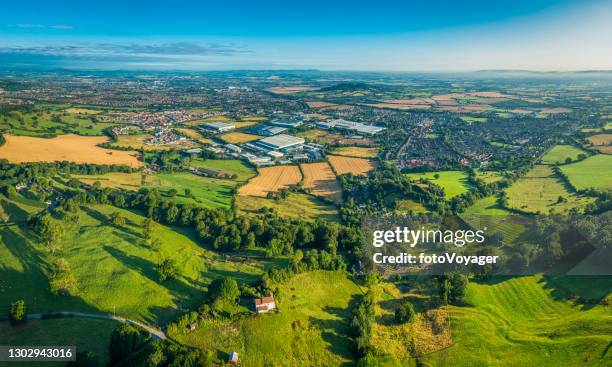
[271, 179]
[356, 166]
[359, 152]
[238, 137]
[70, 147]
[321, 180]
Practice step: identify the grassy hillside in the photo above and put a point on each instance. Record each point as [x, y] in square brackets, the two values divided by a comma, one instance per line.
[113, 267]
[517, 322]
[487, 213]
[309, 329]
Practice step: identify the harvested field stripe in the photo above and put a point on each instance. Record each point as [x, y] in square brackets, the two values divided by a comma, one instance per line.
[271, 179]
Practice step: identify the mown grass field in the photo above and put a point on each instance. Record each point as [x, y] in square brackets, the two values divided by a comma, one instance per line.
[206, 192]
[86, 334]
[559, 153]
[539, 191]
[309, 330]
[295, 205]
[230, 167]
[487, 213]
[521, 322]
[114, 268]
[594, 172]
[453, 182]
[489, 176]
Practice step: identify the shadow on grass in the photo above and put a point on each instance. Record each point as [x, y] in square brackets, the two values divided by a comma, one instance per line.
[335, 329]
[185, 295]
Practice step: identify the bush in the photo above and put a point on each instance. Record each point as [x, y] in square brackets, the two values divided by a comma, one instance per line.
[404, 313]
[17, 312]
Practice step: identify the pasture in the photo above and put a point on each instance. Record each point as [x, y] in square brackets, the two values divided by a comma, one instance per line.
[356, 166]
[271, 179]
[51, 121]
[359, 152]
[453, 182]
[559, 153]
[539, 191]
[72, 148]
[205, 191]
[310, 327]
[321, 180]
[489, 176]
[594, 171]
[295, 205]
[487, 213]
[114, 267]
[226, 167]
[523, 322]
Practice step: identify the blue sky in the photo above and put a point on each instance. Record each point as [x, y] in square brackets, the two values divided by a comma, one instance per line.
[329, 35]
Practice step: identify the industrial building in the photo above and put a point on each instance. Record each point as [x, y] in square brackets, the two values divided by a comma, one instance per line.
[218, 127]
[267, 130]
[350, 125]
[280, 142]
[286, 122]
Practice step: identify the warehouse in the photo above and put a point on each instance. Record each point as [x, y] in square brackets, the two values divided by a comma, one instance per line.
[218, 127]
[267, 130]
[280, 142]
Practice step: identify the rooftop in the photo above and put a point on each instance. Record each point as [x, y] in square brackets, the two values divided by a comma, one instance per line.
[219, 125]
[281, 141]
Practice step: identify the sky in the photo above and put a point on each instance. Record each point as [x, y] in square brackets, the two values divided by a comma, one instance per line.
[376, 35]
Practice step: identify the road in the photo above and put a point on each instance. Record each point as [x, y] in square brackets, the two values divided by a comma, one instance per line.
[157, 334]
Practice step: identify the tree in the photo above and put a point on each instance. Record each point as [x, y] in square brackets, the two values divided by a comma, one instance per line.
[126, 340]
[568, 160]
[436, 176]
[116, 219]
[62, 280]
[188, 193]
[223, 292]
[444, 290]
[172, 192]
[459, 285]
[147, 229]
[50, 231]
[404, 313]
[17, 312]
[167, 269]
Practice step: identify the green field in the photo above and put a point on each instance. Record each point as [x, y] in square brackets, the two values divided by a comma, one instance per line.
[473, 119]
[487, 213]
[489, 176]
[521, 322]
[453, 182]
[309, 329]
[296, 205]
[86, 334]
[539, 191]
[594, 172]
[207, 192]
[226, 166]
[114, 268]
[559, 153]
[42, 122]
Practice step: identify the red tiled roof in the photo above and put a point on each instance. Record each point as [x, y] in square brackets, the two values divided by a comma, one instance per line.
[264, 300]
